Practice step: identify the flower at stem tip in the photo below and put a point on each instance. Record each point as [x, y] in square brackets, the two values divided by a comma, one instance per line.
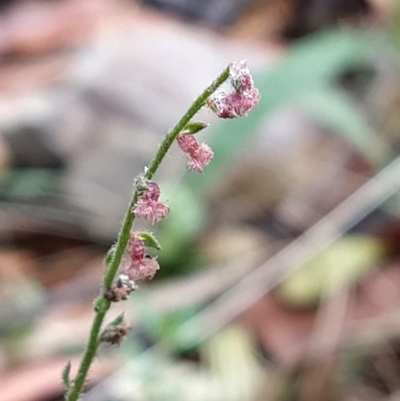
[148, 207]
[244, 98]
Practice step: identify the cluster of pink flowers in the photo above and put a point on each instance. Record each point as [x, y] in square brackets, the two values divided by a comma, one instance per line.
[244, 97]
[148, 206]
[199, 155]
[141, 266]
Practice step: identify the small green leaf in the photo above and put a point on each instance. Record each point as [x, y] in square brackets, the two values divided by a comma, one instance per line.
[194, 127]
[118, 320]
[149, 240]
[110, 255]
[101, 304]
[65, 375]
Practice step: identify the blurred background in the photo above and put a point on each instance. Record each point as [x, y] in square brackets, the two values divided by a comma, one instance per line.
[280, 268]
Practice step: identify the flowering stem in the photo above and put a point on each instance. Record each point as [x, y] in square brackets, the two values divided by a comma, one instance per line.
[101, 304]
[194, 108]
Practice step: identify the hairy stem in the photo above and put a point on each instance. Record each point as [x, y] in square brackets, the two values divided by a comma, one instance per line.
[102, 305]
[87, 359]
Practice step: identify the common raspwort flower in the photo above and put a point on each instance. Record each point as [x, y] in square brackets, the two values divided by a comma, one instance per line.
[148, 207]
[244, 98]
[141, 267]
[199, 155]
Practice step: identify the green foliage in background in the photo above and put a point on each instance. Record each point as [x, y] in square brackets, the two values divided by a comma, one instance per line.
[29, 183]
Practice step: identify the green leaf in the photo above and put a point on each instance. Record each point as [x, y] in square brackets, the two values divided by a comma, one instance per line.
[65, 376]
[110, 255]
[194, 127]
[149, 240]
[101, 304]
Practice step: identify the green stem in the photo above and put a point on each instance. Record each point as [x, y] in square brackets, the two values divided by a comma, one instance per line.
[101, 304]
[87, 359]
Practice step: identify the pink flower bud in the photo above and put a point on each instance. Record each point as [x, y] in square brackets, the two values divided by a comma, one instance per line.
[115, 334]
[148, 207]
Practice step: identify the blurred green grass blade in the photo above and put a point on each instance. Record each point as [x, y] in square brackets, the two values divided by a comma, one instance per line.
[333, 108]
[313, 61]
[65, 375]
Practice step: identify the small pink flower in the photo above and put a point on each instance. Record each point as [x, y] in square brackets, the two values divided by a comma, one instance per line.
[187, 143]
[236, 104]
[200, 158]
[142, 269]
[150, 210]
[153, 191]
[148, 207]
[244, 97]
[244, 102]
[199, 155]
